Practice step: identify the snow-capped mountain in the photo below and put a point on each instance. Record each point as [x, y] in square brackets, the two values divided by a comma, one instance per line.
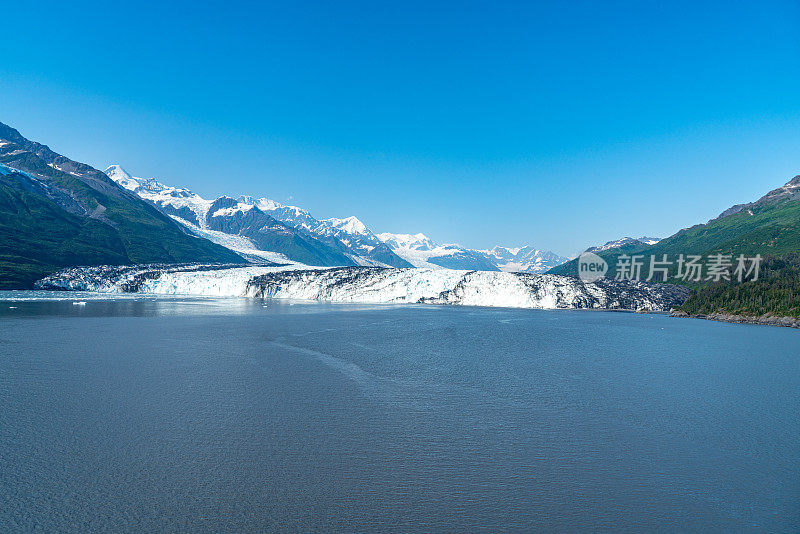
[421, 251]
[254, 231]
[265, 229]
[178, 202]
[524, 259]
[401, 241]
[624, 242]
[359, 239]
[349, 235]
[261, 229]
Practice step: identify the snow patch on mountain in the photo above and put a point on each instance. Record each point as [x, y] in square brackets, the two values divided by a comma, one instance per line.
[227, 212]
[239, 244]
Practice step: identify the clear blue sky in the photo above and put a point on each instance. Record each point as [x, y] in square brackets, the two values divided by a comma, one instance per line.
[557, 124]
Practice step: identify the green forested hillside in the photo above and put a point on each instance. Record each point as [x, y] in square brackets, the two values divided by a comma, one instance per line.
[37, 237]
[769, 227]
[769, 230]
[776, 292]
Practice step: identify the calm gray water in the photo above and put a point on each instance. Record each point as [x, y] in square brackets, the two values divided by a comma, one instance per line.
[229, 416]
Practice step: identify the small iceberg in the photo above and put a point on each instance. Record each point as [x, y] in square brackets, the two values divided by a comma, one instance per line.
[79, 303]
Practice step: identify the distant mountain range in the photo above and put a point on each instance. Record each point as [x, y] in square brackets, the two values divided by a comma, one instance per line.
[264, 229]
[261, 228]
[56, 212]
[421, 251]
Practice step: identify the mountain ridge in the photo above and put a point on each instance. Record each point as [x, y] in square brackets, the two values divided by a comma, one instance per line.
[769, 226]
[348, 236]
[57, 212]
[268, 225]
[422, 251]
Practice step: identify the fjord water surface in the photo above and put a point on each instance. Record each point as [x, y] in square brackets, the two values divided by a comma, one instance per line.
[240, 416]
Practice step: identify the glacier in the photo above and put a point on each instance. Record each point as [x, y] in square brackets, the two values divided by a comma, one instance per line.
[371, 285]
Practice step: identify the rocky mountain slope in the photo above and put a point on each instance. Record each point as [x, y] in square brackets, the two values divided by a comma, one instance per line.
[769, 227]
[624, 242]
[265, 226]
[56, 212]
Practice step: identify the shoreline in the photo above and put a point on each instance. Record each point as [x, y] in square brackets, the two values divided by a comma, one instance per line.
[785, 322]
[63, 296]
[763, 320]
